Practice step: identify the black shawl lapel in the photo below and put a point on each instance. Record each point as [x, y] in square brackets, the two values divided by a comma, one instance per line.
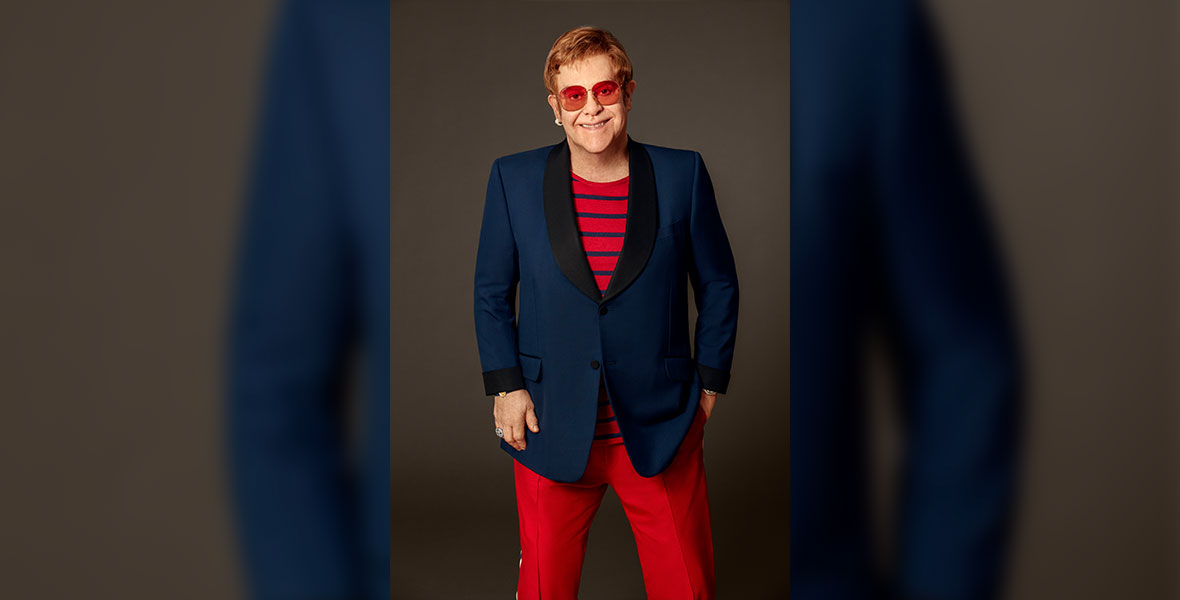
[642, 221]
[561, 220]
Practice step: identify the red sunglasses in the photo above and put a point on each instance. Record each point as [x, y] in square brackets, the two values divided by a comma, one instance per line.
[574, 97]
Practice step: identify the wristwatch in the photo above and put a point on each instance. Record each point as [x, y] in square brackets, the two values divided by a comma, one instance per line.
[501, 394]
[708, 392]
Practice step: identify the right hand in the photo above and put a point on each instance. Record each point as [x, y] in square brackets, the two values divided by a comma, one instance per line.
[513, 413]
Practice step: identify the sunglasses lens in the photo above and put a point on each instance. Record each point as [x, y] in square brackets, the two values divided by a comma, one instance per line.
[573, 97]
[606, 92]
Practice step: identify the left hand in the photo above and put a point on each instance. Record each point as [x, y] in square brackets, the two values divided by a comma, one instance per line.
[707, 403]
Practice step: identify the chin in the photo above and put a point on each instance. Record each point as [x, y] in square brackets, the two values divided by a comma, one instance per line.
[595, 148]
[597, 145]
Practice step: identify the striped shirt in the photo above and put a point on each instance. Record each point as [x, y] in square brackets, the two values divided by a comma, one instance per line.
[606, 430]
[602, 221]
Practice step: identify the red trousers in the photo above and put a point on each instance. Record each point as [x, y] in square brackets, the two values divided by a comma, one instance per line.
[669, 516]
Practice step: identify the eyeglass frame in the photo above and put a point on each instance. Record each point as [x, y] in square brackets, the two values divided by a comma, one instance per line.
[619, 89]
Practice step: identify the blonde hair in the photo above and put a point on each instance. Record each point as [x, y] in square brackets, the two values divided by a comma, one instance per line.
[581, 43]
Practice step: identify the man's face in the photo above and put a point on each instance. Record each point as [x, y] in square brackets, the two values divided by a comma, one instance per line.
[593, 128]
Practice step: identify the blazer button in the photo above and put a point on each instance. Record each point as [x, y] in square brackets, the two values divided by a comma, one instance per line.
[593, 364]
[602, 311]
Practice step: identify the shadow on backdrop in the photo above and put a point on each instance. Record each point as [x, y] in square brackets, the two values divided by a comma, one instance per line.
[311, 308]
[889, 238]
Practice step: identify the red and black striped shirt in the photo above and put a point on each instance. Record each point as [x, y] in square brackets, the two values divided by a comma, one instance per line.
[602, 222]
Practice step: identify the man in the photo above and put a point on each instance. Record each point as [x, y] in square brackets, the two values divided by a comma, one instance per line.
[593, 379]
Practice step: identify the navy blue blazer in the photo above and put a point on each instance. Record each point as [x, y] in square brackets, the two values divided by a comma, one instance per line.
[567, 334]
[887, 230]
[311, 297]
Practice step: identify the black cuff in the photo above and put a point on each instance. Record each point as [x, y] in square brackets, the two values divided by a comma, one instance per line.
[502, 380]
[713, 379]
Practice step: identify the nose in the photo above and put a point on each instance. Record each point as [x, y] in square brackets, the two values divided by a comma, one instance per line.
[592, 106]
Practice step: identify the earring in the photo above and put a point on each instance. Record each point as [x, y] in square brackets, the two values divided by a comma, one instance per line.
[557, 122]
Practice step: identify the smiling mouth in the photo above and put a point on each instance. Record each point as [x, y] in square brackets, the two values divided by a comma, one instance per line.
[597, 125]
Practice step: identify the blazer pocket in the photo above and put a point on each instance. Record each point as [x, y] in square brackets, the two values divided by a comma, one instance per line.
[679, 367]
[530, 367]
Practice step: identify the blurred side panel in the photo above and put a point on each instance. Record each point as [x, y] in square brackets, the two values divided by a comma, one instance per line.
[311, 306]
[889, 238]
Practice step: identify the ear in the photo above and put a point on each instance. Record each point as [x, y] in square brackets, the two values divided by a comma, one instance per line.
[627, 91]
[553, 105]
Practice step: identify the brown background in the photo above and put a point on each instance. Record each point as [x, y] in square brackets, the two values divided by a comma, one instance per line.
[123, 131]
[1072, 110]
[123, 128]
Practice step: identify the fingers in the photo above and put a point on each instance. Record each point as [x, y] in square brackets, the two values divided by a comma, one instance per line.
[514, 436]
[513, 414]
[513, 432]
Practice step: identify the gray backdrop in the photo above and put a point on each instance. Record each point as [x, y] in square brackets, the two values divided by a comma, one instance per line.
[1071, 108]
[123, 134]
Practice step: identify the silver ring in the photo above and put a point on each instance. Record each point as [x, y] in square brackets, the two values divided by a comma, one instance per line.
[499, 432]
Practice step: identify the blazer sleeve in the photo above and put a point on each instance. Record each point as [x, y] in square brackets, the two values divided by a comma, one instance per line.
[951, 323]
[290, 328]
[496, 276]
[715, 286]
